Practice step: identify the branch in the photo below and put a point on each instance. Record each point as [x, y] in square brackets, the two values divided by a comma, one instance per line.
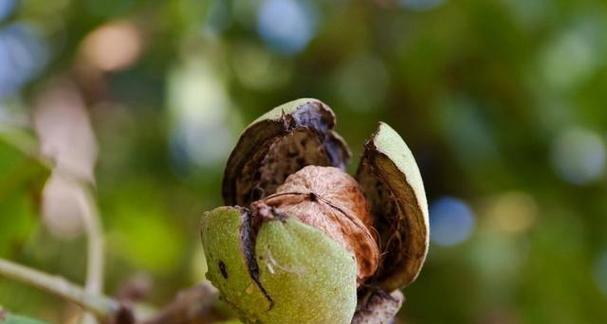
[103, 307]
[193, 305]
[378, 307]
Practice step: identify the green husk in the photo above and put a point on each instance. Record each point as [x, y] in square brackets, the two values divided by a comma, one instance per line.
[307, 277]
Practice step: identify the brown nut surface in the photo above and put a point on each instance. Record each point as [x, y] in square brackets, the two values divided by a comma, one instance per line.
[329, 199]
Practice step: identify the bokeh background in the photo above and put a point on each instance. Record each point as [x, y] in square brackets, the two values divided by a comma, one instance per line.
[504, 104]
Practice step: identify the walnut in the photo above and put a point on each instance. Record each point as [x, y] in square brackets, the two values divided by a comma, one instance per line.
[305, 241]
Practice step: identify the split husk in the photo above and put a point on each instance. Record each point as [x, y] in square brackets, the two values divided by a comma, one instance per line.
[287, 175]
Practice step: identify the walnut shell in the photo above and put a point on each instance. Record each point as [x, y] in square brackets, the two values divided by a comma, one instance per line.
[288, 164]
[329, 199]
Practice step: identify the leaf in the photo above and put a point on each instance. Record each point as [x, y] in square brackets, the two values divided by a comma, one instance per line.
[22, 175]
[9, 318]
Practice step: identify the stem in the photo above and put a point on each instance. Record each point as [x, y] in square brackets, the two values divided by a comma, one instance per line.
[95, 261]
[95, 247]
[103, 307]
[192, 305]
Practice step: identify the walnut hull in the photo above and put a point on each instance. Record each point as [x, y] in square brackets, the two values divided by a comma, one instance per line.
[289, 164]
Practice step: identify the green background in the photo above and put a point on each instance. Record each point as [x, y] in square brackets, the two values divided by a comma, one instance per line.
[503, 103]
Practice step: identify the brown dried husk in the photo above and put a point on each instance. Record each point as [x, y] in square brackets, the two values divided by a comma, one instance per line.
[393, 186]
[279, 143]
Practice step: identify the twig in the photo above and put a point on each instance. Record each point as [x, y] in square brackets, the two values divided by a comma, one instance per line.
[193, 305]
[103, 307]
[95, 247]
[377, 306]
[90, 217]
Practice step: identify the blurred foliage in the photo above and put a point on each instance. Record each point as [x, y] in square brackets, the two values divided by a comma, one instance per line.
[502, 103]
[20, 182]
[9, 318]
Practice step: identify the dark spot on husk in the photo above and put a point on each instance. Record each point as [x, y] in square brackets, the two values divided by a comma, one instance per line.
[222, 269]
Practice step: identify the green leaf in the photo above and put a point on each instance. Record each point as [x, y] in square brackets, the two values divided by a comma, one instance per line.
[9, 318]
[22, 175]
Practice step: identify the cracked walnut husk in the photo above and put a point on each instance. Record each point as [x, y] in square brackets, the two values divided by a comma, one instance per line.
[300, 240]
